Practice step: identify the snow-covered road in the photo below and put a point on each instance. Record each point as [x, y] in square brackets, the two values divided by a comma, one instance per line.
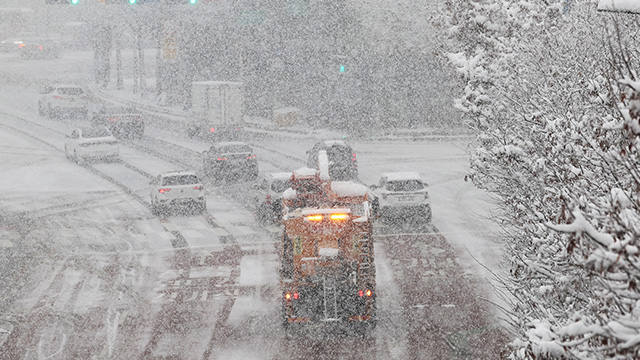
[88, 272]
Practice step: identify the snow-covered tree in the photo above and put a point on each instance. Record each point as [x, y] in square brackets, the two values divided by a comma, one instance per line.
[552, 91]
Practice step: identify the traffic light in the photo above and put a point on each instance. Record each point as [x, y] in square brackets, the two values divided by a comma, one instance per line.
[193, 2]
[132, 2]
[342, 68]
[74, 2]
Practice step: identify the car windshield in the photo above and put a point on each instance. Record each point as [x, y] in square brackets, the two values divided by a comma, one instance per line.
[70, 91]
[235, 149]
[405, 185]
[95, 133]
[280, 186]
[180, 180]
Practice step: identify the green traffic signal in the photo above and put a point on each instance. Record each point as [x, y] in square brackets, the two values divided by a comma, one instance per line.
[193, 2]
[74, 2]
[133, 1]
[342, 69]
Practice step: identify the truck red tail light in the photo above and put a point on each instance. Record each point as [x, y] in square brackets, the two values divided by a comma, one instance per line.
[222, 158]
[162, 191]
[361, 293]
[199, 187]
[251, 157]
[296, 296]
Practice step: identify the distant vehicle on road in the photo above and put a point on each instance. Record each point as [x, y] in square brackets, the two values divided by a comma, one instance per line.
[343, 164]
[123, 121]
[267, 197]
[400, 196]
[177, 188]
[62, 98]
[232, 160]
[216, 110]
[11, 45]
[91, 143]
[39, 48]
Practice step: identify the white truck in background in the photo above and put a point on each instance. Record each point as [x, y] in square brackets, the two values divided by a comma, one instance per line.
[217, 109]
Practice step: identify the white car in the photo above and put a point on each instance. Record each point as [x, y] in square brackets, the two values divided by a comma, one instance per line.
[402, 195]
[182, 188]
[62, 98]
[91, 143]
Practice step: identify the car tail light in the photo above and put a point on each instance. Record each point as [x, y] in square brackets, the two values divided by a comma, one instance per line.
[113, 119]
[199, 187]
[296, 296]
[58, 97]
[251, 157]
[40, 47]
[354, 157]
[268, 199]
[212, 129]
[22, 45]
[361, 293]
[222, 158]
[162, 191]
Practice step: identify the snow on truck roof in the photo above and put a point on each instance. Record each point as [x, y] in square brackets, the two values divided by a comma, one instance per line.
[305, 171]
[348, 188]
[402, 175]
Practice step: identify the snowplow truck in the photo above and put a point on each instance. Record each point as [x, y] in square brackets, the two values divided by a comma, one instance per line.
[327, 272]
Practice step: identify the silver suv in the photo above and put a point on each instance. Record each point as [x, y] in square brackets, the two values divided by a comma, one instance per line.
[402, 195]
[59, 98]
[182, 188]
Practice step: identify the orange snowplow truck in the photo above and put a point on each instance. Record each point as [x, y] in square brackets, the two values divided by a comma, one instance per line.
[327, 272]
